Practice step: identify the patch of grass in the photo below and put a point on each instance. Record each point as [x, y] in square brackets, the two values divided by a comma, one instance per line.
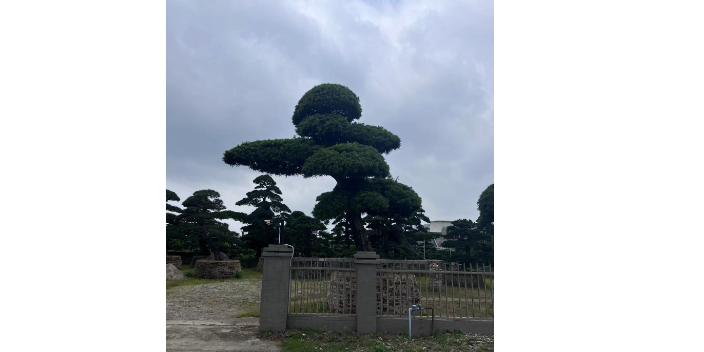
[187, 271]
[249, 314]
[189, 282]
[251, 274]
[312, 340]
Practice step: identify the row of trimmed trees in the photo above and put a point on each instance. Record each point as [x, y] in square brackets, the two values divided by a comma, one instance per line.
[197, 226]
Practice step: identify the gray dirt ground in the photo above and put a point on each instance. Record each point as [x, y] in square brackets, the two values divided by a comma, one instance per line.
[204, 317]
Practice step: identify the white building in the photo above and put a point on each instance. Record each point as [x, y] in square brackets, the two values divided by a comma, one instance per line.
[441, 227]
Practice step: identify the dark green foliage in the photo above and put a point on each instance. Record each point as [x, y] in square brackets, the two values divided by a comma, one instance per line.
[384, 197]
[393, 233]
[403, 200]
[325, 130]
[346, 160]
[171, 197]
[328, 99]
[374, 136]
[470, 243]
[199, 222]
[283, 157]
[334, 145]
[266, 197]
[329, 130]
[246, 256]
[175, 238]
[301, 232]
[485, 205]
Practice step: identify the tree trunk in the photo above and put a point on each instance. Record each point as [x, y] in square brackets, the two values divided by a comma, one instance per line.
[358, 232]
[214, 249]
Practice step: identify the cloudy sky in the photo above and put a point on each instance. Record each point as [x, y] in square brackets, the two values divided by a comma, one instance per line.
[423, 70]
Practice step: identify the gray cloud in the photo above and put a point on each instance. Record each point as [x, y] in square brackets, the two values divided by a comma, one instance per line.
[423, 70]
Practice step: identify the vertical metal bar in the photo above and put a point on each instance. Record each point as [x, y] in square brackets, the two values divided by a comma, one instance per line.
[388, 291]
[307, 305]
[460, 278]
[316, 289]
[479, 290]
[325, 299]
[408, 301]
[471, 292]
[336, 293]
[426, 290]
[417, 283]
[486, 301]
[298, 294]
[491, 279]
[432, 284]
[466, 276]
[352, 289]
[453, 293]
[300, 287]
[393, 289]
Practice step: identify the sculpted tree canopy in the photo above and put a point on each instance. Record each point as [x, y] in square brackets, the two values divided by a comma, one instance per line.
[200, 219]
[331, 143]
[170, 217]
[175, 238]
[266, 198]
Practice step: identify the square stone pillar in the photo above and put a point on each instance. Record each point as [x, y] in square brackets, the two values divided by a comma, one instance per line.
[366, 264]
[276, 286]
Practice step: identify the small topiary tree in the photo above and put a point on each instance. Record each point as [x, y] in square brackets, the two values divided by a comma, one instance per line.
[200, 219]
[268, 203]
[330, 143]
[174, 236]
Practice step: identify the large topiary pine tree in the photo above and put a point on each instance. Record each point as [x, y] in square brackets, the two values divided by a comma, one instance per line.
[330, 143]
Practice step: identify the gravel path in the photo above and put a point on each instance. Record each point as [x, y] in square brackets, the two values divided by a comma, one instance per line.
[220, 301]
[204, 317]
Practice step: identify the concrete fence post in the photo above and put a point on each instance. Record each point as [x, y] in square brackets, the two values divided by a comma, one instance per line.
[366, 264]
[273, 310]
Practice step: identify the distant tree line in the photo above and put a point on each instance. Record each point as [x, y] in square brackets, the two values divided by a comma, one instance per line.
[197, 226]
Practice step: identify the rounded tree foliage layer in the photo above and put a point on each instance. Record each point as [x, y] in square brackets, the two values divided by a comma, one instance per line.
[283, 157]
[329, 130]
[346, 160]
[328, 99]
[372, 196]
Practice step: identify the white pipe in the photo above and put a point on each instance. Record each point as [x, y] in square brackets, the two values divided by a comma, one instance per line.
[409, 323]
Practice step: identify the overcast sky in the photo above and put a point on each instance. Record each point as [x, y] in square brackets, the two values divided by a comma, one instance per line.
[423, 70]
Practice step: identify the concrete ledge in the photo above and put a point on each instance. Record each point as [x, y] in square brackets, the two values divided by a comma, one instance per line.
[325, 322]
[422, 326]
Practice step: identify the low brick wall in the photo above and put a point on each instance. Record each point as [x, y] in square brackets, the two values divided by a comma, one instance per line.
[327, 322]
[422, 326]
[216, 269]
[394, 325]
[175, 260]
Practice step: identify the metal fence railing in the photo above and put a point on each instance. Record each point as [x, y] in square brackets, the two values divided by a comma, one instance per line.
[323, 286]
[451, 290]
